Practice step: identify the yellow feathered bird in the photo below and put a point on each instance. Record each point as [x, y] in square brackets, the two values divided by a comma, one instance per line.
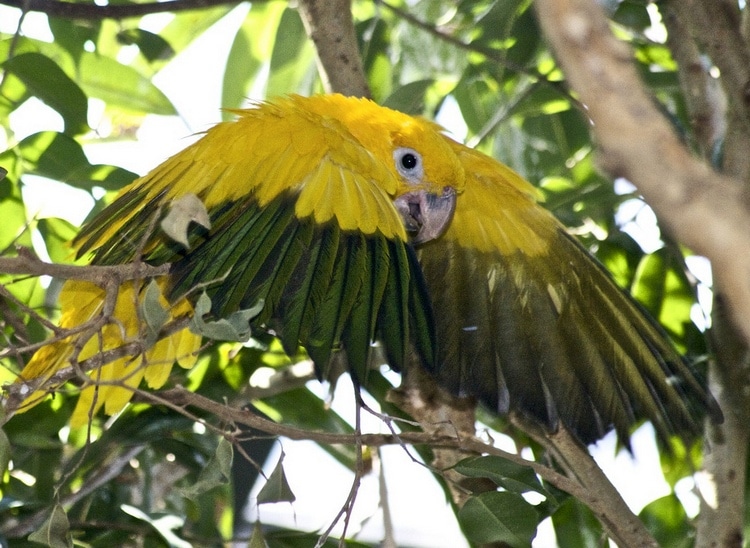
[352, 223]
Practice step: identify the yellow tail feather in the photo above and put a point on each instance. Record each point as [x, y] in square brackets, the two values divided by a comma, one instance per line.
[112, 385]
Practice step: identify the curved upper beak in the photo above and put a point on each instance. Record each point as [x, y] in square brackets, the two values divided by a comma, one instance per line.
[426, 215]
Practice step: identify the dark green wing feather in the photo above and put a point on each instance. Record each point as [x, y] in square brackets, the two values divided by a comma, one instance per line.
[324, 288]
[530, 322]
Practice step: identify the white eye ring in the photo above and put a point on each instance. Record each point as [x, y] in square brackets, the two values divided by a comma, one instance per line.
[409, 164]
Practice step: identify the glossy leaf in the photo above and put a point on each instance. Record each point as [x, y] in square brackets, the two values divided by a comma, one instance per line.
[250, 51]
[122, 86]
[44, 79]
[292, 57]
[216, 472]
[13, 229]
[73, 35]
[152, 46]
[53, 155]
[277, 487]
[576, 526]
[660, 284]
[409, 98]
[499, 517]
[503, 472]
[55, 531]
[667, 521]
[57, 234]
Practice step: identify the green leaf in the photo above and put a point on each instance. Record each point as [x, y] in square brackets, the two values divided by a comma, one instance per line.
[667, 521]
[105, 176]
[292, 55]
[189, 25]
[250, 50]
[217, 472]
[5, 448]
[234, 327]
[57, 234]
[153, 311]
[55, 531]
[575, 525]
[409, 98]
[499, 517]
[633, 14]
[256, 539]
[661, 286]
[277, 487]
[46, 80]
[13, 228]
[54, 155]
[72, 35]
[373, 37]
[122, 86]
[475, 99]
[506, 474]
[152, 46]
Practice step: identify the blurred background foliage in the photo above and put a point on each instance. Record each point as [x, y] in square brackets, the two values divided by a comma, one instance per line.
[480, 66]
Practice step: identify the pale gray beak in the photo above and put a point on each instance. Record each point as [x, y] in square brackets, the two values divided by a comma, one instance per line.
[426, 215]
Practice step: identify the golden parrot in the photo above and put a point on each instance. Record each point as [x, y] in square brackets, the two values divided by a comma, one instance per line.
[345, 224]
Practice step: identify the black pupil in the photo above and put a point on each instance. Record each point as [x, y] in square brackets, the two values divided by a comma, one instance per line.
[409, 161]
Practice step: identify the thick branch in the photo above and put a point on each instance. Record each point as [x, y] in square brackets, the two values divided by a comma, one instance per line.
[722, 481]
[620, 523]
[330, 26]
[704, 97]
[702, 209]
[716, 26]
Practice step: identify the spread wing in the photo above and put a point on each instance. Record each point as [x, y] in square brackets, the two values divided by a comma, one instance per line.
[537, 325]
[301, 217]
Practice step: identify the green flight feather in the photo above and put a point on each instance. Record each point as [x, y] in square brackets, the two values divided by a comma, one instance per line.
[555, 339]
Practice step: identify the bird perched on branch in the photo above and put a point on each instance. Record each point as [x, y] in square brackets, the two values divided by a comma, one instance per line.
[337, 223]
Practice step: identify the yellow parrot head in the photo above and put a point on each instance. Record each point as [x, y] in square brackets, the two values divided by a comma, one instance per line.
[431, 175]
[426, 169]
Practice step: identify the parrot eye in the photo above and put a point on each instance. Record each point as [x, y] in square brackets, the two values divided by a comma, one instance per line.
[409, 163]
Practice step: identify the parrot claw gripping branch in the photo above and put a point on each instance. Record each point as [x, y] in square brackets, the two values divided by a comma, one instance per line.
[348, 223]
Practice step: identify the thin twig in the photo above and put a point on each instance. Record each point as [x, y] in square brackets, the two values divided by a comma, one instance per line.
[27, 264]
[348, 507]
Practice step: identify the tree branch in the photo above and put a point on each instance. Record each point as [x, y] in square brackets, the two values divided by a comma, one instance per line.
[330, 26]
[179, 398]
[620, 523]
[26, 264]
[706, 102]
[716, 27]
[721, 483]
[606, 504]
